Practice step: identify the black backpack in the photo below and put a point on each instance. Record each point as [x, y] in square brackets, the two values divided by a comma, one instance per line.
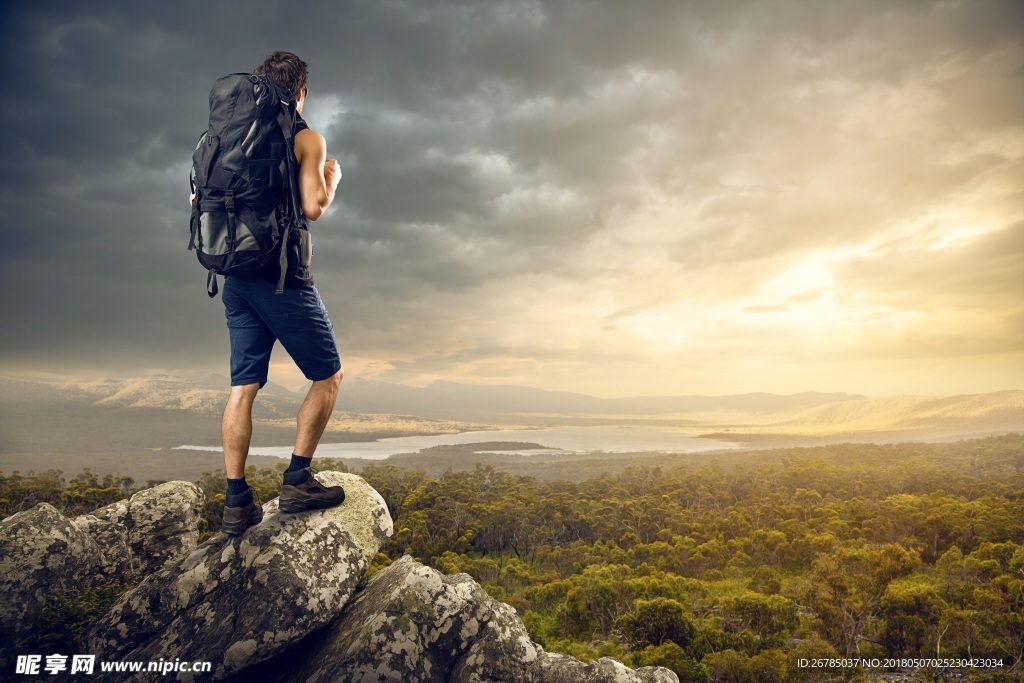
[244, 179]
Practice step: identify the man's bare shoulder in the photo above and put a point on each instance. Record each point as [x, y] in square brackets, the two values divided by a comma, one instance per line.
[309, 134]
[309, 144]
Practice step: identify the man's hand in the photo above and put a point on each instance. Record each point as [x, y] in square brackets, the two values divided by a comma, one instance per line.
[332, 173]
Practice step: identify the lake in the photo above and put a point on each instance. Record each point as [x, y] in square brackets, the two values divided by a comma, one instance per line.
[566, 439]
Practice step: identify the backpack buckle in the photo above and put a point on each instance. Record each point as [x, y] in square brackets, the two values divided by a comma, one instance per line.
[229, 200]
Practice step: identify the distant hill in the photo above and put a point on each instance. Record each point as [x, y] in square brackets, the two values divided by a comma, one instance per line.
[802, 413]
[451, 400]
[201, 397]
[964, 415]
[440, 400]
[104, 424]
[132, 416]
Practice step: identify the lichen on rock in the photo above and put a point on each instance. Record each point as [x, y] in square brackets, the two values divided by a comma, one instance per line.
[413, 624]
[41, 552]
[155, 526]
[284, 591]
[235, 601]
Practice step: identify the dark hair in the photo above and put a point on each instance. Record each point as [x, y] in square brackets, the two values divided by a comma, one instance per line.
[285, 69]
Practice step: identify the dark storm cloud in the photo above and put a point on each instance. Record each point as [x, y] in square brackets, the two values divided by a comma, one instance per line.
[479, 142]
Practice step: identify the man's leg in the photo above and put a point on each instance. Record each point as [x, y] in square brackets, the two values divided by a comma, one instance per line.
[315, 413]
[308, 336]
[236, 428]
[240, 510]
[300, 491]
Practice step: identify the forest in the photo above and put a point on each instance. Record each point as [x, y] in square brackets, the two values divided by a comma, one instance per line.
[724, 572]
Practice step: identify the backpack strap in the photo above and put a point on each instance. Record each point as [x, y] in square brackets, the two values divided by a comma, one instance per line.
[229, 208]
[197, 192]
[211, 278]
[286, 119]
[194, 222]
[283, 261]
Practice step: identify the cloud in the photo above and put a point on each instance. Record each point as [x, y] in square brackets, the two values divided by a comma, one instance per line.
[962, 299]
[557, 192]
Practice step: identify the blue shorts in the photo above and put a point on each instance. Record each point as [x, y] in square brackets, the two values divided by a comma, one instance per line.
[258, 317]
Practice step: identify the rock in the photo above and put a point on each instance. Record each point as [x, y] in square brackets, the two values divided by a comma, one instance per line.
[414, 624]
[118, 561]
[564, 669]
[238, 601]
[41, 552]
[152, 528]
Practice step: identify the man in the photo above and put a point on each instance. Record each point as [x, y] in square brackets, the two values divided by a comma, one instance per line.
[257, 318]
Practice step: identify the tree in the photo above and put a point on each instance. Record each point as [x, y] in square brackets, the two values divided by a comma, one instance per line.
[671, 656]
[847, 586]
[655, 622]
[767, 618]
[909, 617]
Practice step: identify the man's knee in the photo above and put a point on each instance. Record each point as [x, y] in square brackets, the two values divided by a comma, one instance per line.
[244, 392]
[332, 383]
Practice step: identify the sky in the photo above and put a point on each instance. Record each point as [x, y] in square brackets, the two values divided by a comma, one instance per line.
[614, 198]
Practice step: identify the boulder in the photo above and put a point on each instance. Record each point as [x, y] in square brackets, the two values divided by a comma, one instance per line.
[413, 624]
[41, 552]
[558, 668]
[236, 601]
[152, 528]
[118, 562]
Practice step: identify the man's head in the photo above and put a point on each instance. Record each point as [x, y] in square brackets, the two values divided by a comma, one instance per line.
[288, 71]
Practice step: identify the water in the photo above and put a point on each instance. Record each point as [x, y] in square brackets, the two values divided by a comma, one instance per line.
[564, 439]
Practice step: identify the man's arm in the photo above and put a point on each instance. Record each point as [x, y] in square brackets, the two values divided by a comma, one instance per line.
[318, 175]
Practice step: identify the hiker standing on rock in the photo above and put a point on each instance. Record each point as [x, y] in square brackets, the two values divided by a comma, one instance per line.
[259, 174]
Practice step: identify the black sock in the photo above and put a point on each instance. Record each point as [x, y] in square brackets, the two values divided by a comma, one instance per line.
[238, 493]
[297, 472]
[298, 463]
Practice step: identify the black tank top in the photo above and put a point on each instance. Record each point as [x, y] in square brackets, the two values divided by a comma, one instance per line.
[297, 277]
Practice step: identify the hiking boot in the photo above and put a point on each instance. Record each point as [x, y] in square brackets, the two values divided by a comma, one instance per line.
[238, 519]
[301, 491]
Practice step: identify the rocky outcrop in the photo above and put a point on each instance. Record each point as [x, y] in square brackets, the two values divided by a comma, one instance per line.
[277, 603]
[413, 624]
[237, 601]
[41, 552]
[557, 668]
[117, 561]
[140, 535]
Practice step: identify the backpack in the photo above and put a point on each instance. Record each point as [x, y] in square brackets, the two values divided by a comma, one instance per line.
[244, 179]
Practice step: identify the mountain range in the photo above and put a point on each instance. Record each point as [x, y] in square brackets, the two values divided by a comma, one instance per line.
[502, 402]
[103, 422]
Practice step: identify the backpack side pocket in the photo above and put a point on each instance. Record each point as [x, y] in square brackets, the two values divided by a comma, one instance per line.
[202, 158]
